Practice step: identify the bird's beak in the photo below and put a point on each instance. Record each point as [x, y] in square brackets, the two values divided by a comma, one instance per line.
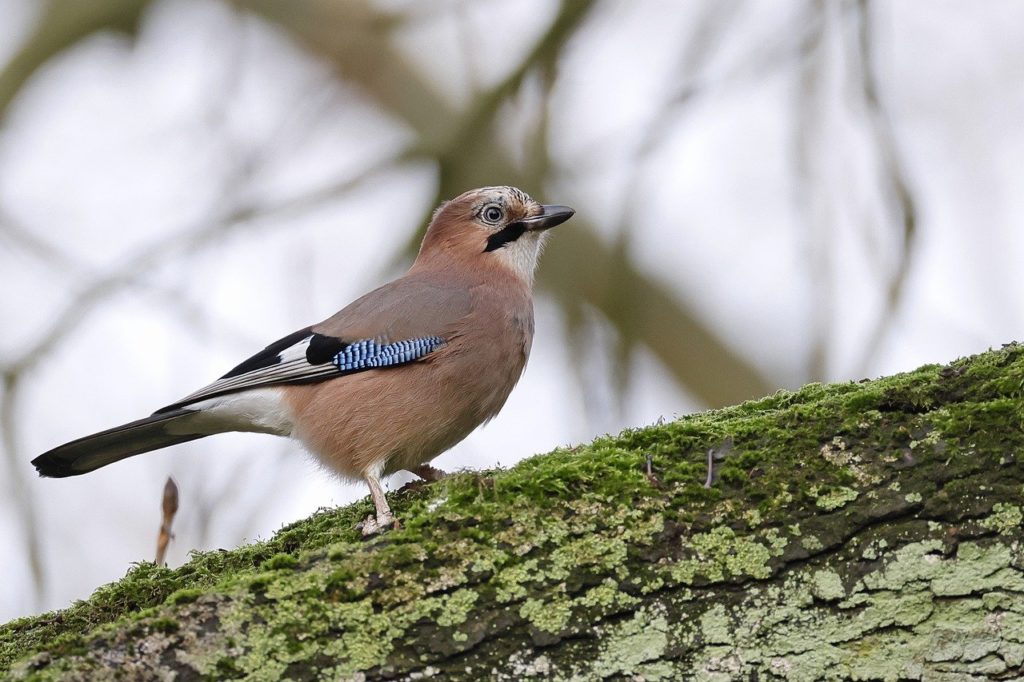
[549, 217]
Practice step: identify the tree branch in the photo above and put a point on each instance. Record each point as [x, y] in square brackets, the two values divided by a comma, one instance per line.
[845, 537]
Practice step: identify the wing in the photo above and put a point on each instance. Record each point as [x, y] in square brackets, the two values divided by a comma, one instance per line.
[374, 332]
[415, 305]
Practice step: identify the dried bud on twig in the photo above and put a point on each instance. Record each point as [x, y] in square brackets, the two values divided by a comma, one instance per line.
[170, 508]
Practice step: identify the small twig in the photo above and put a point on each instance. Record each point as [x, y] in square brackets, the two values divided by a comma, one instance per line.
[170, 508]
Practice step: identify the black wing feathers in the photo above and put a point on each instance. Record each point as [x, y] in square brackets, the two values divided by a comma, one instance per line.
[322, 348]
[269, 356]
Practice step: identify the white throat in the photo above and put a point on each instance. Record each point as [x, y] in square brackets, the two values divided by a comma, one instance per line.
[521, 256]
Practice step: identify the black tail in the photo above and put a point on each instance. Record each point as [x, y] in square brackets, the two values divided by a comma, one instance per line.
[106, 447]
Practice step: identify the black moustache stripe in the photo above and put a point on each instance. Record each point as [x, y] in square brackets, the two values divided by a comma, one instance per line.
[509, 233]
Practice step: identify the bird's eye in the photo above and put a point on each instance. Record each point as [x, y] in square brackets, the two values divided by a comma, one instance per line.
[492, 213]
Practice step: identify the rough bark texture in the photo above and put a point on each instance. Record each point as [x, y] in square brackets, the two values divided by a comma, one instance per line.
[859, 531]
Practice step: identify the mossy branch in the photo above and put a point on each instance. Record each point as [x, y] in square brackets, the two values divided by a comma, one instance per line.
[868, 530]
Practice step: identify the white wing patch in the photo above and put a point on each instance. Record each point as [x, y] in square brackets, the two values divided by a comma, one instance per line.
[292, 367]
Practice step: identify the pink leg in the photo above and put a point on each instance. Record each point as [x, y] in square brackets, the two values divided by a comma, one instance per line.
[384, 517]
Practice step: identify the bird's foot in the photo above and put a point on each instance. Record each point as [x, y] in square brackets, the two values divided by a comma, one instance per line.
[377, 524]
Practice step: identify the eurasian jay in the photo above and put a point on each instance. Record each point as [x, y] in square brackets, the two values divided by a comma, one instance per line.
[392, 380]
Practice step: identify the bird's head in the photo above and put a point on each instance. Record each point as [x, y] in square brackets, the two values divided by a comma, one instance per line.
[502, 226]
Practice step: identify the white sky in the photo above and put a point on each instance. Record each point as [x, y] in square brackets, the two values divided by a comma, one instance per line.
[116, 147]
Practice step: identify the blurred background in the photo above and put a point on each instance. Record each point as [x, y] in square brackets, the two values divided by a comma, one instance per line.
[768, 193]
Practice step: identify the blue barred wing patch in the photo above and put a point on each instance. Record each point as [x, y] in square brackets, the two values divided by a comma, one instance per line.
[368, 354]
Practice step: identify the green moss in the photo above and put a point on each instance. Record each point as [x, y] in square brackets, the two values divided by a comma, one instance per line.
[184, 596]
[165, 625]
[279, 561]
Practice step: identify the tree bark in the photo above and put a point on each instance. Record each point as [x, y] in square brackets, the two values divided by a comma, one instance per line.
[865, 530]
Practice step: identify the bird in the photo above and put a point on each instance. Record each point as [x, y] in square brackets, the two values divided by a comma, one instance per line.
[393, 379]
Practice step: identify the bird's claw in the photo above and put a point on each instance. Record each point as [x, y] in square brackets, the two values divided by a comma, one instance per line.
[372, 525]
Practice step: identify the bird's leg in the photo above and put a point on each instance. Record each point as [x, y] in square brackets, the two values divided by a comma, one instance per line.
[384, 518]
[429, 473]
